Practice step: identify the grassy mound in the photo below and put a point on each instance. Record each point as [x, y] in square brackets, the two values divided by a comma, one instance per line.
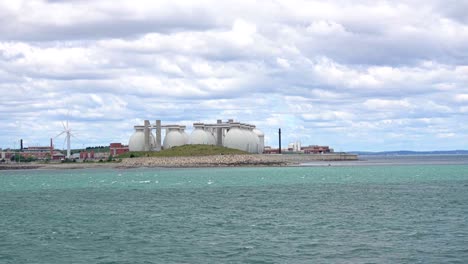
[185, 150]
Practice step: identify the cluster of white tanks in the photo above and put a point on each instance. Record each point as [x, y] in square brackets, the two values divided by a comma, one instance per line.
[229, 134]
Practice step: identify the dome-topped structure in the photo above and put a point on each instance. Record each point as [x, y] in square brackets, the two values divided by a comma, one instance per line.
[255, 142]
[200, 136]
[261, 140]
[251, 138]
[211, 138]
[174, 138]
[137, 140]
[236, 138]
[186, 137]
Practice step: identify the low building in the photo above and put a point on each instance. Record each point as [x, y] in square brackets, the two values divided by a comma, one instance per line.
[32, 153]
[85, 155]
[270, 150]
[117, 149]
[296, 148]
[315, 149]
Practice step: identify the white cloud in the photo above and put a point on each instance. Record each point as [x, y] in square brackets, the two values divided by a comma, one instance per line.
[323, 27]
[461, 98]
[361, 75]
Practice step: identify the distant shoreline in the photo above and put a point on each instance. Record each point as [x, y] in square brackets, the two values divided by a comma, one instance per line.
[270, 160]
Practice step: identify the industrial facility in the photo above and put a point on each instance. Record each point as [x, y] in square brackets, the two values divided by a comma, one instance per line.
[229, 134]
[31, 153]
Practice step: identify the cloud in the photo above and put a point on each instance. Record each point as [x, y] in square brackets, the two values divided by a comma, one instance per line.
[363, 75]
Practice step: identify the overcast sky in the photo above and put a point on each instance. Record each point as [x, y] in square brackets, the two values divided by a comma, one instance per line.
[354, 75]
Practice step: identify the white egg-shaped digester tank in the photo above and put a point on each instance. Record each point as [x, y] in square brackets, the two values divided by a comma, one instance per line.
[235, 138]
[200, 136]
[247, 138]
[261, 140]
[186, 136]
[255, 140]
[251, 138]
[211, 137]
[137, 140]
[173, 138]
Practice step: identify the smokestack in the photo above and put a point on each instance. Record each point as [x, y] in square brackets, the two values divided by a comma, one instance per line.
[21, 144]
[51, 149]
[279, 138]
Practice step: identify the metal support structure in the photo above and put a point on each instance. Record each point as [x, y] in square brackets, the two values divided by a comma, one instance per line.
[147, 135]
[219, 133]
[158, 135]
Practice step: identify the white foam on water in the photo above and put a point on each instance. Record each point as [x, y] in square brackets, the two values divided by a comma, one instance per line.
[144, 182]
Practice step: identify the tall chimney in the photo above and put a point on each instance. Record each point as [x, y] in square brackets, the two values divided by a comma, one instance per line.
[51, 149]
[21, 144]
[279, 138]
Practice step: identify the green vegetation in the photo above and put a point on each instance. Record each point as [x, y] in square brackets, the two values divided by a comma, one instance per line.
[184, 151]
[68, 160]
[96, 149]
[19, 158]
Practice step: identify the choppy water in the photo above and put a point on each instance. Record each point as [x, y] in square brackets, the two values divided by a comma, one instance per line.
[361, 214]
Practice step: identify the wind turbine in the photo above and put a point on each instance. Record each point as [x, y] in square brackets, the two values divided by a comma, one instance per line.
[67, 131]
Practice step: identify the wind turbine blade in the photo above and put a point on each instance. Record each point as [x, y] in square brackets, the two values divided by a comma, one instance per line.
[60, 134]
[64, 128]
[67, 123]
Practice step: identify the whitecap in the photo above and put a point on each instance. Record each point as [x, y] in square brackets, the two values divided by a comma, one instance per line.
[144, 181]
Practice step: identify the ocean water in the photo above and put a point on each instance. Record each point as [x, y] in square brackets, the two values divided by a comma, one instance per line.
[345, 214]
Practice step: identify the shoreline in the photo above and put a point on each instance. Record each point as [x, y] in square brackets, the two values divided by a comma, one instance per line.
[258, 160]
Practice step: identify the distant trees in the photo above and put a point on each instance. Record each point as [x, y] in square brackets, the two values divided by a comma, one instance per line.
[19, 158]
[97, 147]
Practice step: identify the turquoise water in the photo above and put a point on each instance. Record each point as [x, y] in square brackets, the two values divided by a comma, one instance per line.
[360, 214]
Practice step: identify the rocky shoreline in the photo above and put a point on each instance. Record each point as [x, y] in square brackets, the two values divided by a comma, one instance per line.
[205, 161]
[194, 162]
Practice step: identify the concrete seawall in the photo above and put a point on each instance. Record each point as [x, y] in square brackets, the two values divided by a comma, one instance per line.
[319, 157]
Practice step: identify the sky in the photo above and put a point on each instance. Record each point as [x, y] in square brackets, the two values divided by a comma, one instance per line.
[354, 75]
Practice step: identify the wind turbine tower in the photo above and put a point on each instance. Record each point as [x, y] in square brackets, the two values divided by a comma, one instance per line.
[67, 131]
